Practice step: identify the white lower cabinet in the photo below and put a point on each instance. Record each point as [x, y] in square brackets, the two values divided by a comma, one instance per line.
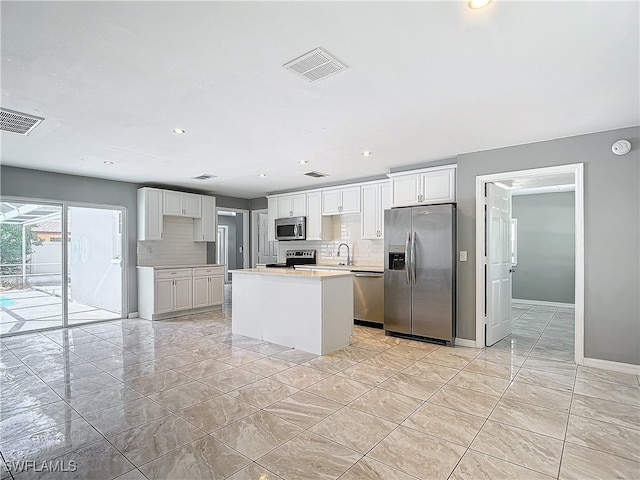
[169, 292]
[208, 287]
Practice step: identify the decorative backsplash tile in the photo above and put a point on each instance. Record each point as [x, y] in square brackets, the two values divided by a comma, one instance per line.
[346, 228]
[176, 247]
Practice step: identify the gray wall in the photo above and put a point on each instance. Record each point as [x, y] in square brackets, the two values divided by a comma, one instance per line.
[20, 182]
[546, 247]
[612, 229]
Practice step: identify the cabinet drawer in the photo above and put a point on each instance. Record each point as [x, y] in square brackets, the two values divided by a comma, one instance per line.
[208, 271]
[176, 273]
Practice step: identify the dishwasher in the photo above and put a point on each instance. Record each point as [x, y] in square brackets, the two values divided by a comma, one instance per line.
[368, 298]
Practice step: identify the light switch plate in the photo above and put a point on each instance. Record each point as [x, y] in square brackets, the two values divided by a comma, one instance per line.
[463, 255]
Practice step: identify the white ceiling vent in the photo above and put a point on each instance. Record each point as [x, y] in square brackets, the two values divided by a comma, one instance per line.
[204, 176]
[16, 122]
[315, 174]
[315, 65]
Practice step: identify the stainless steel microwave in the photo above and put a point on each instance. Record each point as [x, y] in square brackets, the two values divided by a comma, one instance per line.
[293, 228]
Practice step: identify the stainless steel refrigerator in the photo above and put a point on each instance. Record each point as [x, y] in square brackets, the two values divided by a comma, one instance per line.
[420, 271]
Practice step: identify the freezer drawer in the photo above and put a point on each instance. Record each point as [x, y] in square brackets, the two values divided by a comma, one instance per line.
[368, 297]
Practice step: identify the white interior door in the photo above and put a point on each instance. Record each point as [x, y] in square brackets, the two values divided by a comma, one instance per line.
[223, 257]
[267, 252]
[498, 250]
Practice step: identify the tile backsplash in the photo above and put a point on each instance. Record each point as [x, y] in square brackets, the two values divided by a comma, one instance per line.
[176, 247]
[346, 228]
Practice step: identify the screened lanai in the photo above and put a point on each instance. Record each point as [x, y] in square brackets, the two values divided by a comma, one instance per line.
[34, 259]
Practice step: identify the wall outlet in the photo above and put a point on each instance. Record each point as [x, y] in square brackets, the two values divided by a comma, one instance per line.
[463, 255]
[329, 253]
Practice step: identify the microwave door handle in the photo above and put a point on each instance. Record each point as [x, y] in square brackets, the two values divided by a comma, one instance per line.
[413, 258]
[407, 258]
[295, 230]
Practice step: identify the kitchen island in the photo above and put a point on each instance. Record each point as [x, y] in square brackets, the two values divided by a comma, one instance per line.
[306, 310]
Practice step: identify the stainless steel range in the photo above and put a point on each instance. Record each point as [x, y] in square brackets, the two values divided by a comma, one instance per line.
[296, 257]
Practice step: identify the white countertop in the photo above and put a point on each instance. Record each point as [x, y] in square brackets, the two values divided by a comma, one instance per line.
[358, 268]
[161, 267]
[289, 272]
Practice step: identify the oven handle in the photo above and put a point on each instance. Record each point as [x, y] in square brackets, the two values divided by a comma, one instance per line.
[371, 275]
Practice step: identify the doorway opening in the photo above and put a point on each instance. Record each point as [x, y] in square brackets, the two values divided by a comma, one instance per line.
[535, 324]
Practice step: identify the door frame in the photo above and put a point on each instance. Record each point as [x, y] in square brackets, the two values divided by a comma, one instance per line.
[124, 279]
[577, 169]
[225, 229]
[245, 231]
[254, 234]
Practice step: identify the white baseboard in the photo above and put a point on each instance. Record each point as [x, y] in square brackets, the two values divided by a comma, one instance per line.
[133, 315]
[614, 366]
[541, 302]
[463, 342]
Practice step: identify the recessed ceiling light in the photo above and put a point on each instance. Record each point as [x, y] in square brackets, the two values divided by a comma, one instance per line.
[107, 162]
[476, 4]
[366, 153]
[303, 162]
[263, 174]
[178, 131]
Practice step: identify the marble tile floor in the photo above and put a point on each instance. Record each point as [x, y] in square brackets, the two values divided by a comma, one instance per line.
[187, 399]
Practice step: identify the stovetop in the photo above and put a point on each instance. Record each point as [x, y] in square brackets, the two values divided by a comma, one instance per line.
[296, 257]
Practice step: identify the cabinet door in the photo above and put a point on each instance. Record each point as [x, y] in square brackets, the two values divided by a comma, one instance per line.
[183, 288]
[331, 202]
[405, 190]
[438, 186]
[172, 203]
[205, 227]
[299, 205]
[370, 211]
[163, 296]
[150, 218]
[285, 206]
[272, 214]
[200, 292]
[191, 205]
[350, 200]
[314, 216]
[216, 290]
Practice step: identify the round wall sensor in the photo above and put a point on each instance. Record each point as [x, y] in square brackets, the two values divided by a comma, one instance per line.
[621, 147]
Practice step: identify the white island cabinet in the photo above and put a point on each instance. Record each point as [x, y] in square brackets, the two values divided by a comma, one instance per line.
[310, 311]
[170, 291]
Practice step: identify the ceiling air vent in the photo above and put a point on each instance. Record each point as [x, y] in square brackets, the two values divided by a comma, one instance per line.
[204, 176]
[315, 174]
[315, 65]
[16, 122]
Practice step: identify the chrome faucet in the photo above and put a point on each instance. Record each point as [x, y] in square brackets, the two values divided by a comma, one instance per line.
[349, 262]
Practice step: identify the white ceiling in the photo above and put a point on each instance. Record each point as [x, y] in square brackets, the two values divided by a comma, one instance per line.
[426, 81]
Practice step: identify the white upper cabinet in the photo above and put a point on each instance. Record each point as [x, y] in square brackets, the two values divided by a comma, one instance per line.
[293, 205]
[182, 204]
[341, 200]
[205, 228]
[150, 220]
[433, 185]
[376, 198]
[318, 227]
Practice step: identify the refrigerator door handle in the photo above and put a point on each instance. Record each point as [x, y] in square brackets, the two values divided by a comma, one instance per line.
[407, 258]
[413, 259]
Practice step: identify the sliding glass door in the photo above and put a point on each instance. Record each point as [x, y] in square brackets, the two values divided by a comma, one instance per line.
[40, 245]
